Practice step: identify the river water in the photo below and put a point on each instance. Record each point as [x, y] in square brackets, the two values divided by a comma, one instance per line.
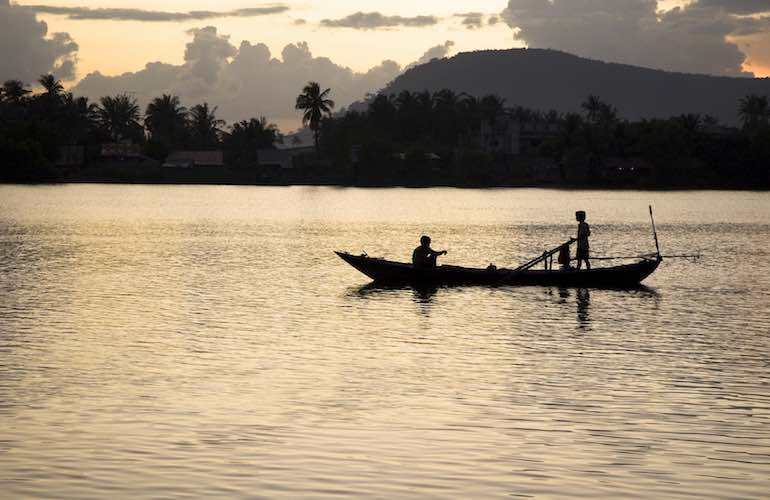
[205, 342]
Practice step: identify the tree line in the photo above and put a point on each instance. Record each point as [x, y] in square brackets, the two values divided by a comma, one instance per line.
[35, 126]
[406, 138]
[417, 127]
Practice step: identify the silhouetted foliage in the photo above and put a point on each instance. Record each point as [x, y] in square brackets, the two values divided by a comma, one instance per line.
[315, 105]
[423, 138]
[119, 117]
[240, 145]
[35, 129]
[203, 127]
[409, 138]
[166, 122]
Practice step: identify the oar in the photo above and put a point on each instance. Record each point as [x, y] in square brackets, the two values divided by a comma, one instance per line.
[531, 263]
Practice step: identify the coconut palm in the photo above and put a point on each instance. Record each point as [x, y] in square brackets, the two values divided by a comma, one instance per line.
[491, 106]
[315, 105]
[753, 111]
[119, 116]
[203, 127]
[79, 117]
[245, 138]
[166, 120]
[14, 91]
[593, 108]
[382, 111]
[53, 87]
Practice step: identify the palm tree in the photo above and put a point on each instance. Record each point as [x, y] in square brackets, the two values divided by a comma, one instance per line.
[246, 137]
[204, 128]
[166, 120]
[79, 117]
[608, 115]
[491, 106]
[572, 123]
[118, 116]
[53, 87]
[315, 105]
[753, 111]
[14, 91]
[446, 105]
[446, 99]
[382, 111]
[593, 108]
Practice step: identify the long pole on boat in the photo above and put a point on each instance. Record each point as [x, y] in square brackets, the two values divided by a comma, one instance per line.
[654, 232]
[532, 263]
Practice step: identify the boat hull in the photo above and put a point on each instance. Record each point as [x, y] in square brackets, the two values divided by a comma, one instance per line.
[389, 272]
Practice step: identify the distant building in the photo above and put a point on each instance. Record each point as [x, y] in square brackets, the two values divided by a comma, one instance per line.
[545, 170]
[501, 136]
[509, 136]
[190, 159]
[626, 170]
[70, 156]
[120, 150]
[284, 158]
[274, 159]
[717, 130]
[535, 133]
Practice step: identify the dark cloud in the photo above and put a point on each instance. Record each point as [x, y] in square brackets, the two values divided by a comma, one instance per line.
[25, 49]
[113, 14]
[374, 20]
[753, 26]
[742, 7]
[471, 20]
[493, 20]
[437, 52]
[247, 80]
[300, 22]
[690, 39]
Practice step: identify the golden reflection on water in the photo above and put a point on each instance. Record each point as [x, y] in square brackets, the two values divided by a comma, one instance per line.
[206, 342]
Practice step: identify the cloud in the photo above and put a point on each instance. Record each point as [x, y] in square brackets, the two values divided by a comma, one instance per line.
[26, 51]
[113, 14]
[246, 80]
[688, 39]
[374, 20]
[437, 52]
[742, 7]
[471, 20]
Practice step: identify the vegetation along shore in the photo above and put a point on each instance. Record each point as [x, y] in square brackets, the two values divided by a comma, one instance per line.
[444, 138]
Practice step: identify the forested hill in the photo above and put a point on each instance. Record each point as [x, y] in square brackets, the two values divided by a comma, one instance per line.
[549, 79]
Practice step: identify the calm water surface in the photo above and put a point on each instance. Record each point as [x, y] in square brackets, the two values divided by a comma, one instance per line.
[204, 342]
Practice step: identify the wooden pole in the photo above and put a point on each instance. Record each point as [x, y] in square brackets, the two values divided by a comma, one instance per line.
[533, 262]
[654, 233]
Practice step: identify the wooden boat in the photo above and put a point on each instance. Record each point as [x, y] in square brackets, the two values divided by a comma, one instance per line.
[389, 272]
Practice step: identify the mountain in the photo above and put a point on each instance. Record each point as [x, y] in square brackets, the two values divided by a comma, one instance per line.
[548, 79]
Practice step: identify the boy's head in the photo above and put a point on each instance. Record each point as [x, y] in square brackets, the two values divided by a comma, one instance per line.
[580, 215]
[425, 241]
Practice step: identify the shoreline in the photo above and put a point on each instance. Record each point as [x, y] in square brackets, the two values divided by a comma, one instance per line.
[560, 187]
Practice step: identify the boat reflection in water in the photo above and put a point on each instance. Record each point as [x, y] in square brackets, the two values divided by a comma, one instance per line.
[428, 296]
[583, 305]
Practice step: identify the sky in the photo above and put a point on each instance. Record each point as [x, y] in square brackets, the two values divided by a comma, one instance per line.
[196, 48]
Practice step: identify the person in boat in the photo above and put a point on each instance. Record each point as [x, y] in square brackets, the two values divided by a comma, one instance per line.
[424, 255]
[583, 232]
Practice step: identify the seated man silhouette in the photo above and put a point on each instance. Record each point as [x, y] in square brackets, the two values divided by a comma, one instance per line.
[424, 256]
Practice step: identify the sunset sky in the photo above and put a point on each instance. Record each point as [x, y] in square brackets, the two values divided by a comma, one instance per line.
[113, 37]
